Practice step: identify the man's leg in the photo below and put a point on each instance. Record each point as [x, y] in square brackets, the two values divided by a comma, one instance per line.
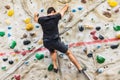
[73, 59]
[54, 58]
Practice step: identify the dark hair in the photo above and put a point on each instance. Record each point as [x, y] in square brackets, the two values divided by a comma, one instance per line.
[50, 9]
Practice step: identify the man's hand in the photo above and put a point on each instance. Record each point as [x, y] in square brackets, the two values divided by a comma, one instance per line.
[64, 9]
[36, 15]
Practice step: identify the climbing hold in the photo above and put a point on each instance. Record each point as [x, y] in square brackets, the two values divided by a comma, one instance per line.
[93, 32]
[90, 54]
[2, 33]
[107, 14]
[26, 42]
[32, 34]
[61, 55]
[112, 3]
[81, 28]
[13, 54]
[37, 25]
[13, 44]
[39, 56]
[24, 36]
[101, 37]
[9, 35]
[100, 70]
[9, 27]
[100, 59]
[98, 28]
[64, 1]
[27, 20]
[7, 22]
[7, 6]
[10, 12]
[80, 8]
[95, 37]
[40, 42]
[98, 46]
[17, 77]
[50, 67]
[29, 27]
[73, 10]
[114, 46]
[11, 62]
[83, 1]
[5, 59]
[41, 10]
[4, 68]
[16, 59]
[23, 53]
[88, 27]
[26, 62]
[118, 35]
[116, 28]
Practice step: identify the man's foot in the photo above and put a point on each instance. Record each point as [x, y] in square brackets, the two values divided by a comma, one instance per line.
[55, 70]
[82, 71]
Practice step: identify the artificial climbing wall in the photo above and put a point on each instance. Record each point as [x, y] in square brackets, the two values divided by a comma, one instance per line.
[90, 28]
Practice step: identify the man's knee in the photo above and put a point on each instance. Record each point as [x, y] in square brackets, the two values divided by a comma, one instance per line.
[68, 52]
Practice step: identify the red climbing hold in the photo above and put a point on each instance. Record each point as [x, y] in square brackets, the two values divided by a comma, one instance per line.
[17, 77]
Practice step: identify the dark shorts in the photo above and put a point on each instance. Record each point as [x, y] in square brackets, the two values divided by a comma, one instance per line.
[55, 44]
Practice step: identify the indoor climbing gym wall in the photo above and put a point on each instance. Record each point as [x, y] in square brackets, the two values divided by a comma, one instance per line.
[90, 28]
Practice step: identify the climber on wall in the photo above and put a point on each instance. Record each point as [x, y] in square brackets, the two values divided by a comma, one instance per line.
[51, 38]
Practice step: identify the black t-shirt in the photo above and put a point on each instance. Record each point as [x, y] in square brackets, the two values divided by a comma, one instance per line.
[50, 26]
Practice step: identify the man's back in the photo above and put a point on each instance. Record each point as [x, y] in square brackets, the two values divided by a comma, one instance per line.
[50, 26]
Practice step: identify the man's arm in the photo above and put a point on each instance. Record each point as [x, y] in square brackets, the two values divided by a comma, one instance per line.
[36, 16]
[63, 10]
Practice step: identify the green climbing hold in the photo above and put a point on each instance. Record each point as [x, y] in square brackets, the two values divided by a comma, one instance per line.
[2, 33]
[39, 56]
[100, 59]
[13, 44]
[50, 67]
[116, 28]
[3, 68]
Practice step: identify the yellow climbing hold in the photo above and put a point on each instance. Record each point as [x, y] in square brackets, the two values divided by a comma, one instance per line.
[29, 27]
[7, 22]
[118, 35]
[112, 3]
[40, 42]
[27, 20]
[10, 12]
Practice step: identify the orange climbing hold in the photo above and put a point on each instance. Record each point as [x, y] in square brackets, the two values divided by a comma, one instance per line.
[118, 35]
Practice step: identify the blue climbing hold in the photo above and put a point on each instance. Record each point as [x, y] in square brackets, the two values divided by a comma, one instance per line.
[80, 8]
[9, 27]
[37, 25]
[41, 10]
[73, 10]
[9, 35]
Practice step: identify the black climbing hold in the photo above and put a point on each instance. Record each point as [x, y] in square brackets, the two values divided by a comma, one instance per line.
[90, 55]
[114, 46]
[11, 62]
[26, 42]
[5, 59]
[81, 28]
[98, 28]
[45, 76]
[101, 37]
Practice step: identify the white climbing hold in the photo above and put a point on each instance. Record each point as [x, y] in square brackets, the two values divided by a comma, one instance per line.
[64, 1]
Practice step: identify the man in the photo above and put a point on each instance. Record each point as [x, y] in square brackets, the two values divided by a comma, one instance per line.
[51, 38]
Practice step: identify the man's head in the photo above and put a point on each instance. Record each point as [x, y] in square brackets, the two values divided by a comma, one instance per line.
[51, 10]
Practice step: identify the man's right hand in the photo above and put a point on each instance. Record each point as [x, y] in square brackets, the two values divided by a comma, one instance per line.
[36, 15]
